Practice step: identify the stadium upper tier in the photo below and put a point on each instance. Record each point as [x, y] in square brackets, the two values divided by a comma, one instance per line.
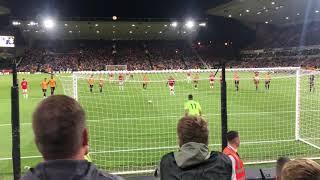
[276, 12]
[108, 29]
[156, 55]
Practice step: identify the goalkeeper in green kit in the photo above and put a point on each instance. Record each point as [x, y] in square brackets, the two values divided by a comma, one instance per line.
[192, 107]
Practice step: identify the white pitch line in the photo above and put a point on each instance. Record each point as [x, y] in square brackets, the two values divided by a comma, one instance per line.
[176, 147]
[156, 148]
[2, 125]
[177, 116]
[22, 99]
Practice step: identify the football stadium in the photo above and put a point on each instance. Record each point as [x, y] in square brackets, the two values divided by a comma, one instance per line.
[253, 66]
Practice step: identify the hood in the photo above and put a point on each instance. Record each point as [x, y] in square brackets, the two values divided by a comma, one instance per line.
[191, 153]
[64, 169]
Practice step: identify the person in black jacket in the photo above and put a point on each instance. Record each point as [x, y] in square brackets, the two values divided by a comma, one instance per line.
[194, 160]
[62, 138]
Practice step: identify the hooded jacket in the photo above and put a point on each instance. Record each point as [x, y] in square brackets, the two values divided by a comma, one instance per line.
[67, 170]
[194, 162]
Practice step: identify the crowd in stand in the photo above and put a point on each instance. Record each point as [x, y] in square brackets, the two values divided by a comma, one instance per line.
[306, 57]
[160, 55]
[287, 36]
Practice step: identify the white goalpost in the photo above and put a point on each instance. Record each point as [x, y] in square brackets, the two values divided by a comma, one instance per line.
[309, 109]
[132, 127]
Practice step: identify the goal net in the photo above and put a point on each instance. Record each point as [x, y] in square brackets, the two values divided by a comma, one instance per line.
[131, 128]
[309, 106]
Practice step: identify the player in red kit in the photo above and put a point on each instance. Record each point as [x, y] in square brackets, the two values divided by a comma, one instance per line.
[24, 87]
[171, 83]
[121, 82]
[211, 80]
[110, 78]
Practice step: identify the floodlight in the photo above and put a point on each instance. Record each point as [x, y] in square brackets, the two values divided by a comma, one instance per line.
[48, 23]
[203, 24]
[174, 24]
[32, 23]
[190, 24]
[16, 23]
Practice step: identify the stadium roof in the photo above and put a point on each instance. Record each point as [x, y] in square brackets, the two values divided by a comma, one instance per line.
[4, 8]
[277, 12]
[106, 29]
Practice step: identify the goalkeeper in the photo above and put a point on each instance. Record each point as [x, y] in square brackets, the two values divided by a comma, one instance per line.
[192, 107]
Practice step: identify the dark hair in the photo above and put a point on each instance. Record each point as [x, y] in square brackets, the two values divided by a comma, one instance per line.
[301, 169]
[280, 163]
[190, 97]
[231, 135]
[192, 129]
[58, 124]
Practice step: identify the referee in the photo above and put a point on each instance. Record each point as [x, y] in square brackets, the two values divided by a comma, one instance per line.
[191, 107]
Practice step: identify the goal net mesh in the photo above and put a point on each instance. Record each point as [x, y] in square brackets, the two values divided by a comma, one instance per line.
[310, 108]
[132, 128]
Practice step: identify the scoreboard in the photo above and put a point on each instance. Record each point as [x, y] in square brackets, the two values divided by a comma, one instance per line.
[7, 41]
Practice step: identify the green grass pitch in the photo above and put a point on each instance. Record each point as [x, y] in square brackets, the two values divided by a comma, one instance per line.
[129, 133]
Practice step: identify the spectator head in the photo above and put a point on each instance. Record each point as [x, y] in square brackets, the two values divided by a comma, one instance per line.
[190, 97]
[192, 129]
[301, 169]
[59, 128]
[233, 139]
[280, 163]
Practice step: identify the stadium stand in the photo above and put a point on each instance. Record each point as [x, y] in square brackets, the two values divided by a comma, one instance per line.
[158, 55]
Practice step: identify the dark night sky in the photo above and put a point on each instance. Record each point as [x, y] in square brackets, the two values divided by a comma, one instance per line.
[108, 8]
